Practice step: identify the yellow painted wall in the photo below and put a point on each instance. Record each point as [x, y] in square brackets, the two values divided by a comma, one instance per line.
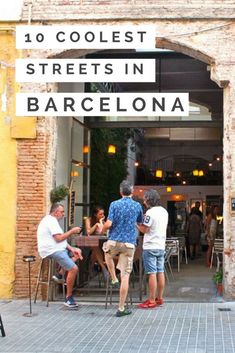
[11, 128]
[8, 149]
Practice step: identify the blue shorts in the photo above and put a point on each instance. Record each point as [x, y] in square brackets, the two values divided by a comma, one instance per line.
[63, 259]
[153, 261]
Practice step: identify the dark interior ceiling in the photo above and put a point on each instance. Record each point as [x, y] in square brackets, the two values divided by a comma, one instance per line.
[175, 72]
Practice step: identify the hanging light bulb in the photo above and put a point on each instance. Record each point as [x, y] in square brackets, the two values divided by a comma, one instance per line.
[111, 149]
[195, 172]
[168, 189]
[158, 173]
[200, 173]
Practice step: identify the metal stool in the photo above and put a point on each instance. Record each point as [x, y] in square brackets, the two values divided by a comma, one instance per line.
[29, 259]
[48, 281]
[2, 328]
[109, 294]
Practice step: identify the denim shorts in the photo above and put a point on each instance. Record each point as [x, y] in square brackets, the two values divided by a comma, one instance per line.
[153, 261]
[63, 259]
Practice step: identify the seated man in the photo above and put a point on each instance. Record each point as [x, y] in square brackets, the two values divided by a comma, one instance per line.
[52, 242]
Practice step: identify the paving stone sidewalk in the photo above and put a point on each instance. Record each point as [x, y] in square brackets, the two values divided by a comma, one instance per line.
[173, 328]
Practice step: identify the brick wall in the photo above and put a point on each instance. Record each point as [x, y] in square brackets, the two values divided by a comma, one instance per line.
[127, 9]
[30, 205]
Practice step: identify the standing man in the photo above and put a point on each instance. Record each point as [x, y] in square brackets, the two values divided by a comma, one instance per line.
[52, 242]
[154, 229]
[121, 222]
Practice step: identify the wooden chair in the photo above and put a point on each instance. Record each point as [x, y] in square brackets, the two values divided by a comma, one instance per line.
[47, 279]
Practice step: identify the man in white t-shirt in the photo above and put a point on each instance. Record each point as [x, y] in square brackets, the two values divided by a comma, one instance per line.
[52, 242]
[154, 228]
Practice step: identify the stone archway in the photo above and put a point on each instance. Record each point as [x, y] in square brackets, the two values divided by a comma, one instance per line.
[195, 45]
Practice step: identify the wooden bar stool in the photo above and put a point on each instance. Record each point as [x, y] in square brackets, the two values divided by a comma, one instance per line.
[2, 327]
[47, 280]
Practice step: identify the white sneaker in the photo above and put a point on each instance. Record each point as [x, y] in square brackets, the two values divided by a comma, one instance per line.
[58, 280]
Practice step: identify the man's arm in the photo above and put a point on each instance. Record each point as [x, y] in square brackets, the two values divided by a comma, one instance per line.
[63, 236]
[106, 226]
[76, 252]
[142, 228]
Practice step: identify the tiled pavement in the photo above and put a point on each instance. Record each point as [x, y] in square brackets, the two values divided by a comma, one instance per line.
[173, 328]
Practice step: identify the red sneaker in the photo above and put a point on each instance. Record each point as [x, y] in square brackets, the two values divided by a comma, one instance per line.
[147, 305]
[159, 302]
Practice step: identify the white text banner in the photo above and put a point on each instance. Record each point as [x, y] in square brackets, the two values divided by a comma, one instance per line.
[85, 37]
[85, 70]
[102, 104]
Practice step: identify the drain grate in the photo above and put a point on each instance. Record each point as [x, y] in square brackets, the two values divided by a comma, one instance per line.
[224, 309]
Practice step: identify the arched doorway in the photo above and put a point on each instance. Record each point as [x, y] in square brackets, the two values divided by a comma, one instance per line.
[178, 146]
[46, 88]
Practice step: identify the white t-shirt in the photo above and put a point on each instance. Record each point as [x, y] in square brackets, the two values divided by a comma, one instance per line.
[157, 219]
[47, 245]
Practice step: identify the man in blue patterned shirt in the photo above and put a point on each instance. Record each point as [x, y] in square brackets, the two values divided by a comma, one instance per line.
[122, 218]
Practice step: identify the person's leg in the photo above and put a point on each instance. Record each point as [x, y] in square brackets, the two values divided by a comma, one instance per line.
[123, 291]
[191, 252]
[150, 269]
[71, 276]
[160, 285]
[111, 249]
[196, 250]
[152, 287]
[66, 262]
[208, 254]
[125, 265]
[111, 267]
[160, 276]
[99, 258]
[75, 258]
